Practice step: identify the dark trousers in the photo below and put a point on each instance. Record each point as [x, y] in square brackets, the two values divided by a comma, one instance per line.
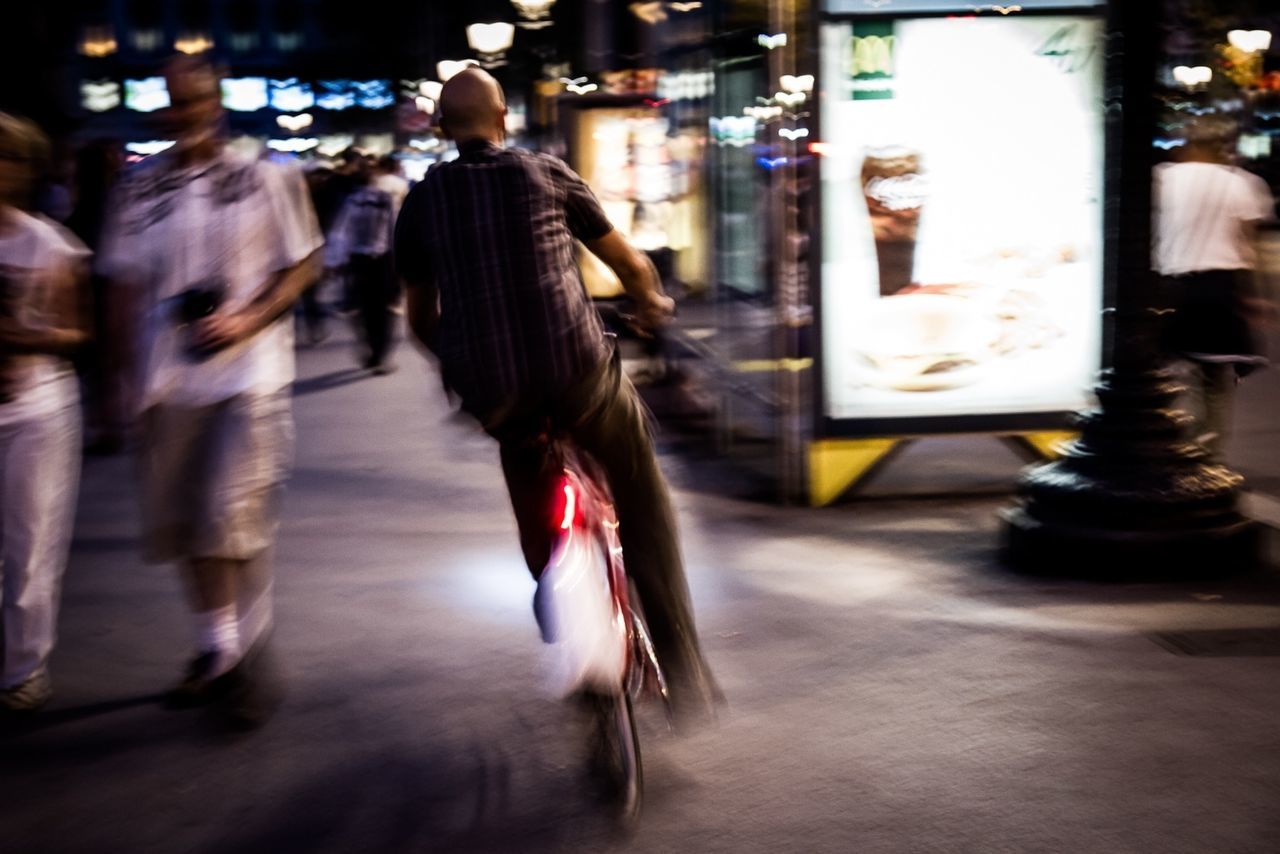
[605, 417]
[372, 285]
[312, 311]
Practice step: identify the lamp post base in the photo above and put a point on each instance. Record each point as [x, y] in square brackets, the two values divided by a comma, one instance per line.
[1112, 554]
[1131, 499]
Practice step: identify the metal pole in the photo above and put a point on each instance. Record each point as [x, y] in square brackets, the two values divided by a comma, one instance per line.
[1132, 497]
[790, 297]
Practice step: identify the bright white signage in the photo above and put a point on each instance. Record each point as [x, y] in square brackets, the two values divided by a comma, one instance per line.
[244, 94]
[153, 146]
[98, 96]
[962, 221]
[293, 145]
[146, 95]
[291, 96]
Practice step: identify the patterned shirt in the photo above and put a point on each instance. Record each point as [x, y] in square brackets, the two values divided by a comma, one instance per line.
[225, 227]
[494, 232]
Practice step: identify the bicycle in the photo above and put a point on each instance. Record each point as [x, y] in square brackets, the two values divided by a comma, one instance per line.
[590, 611]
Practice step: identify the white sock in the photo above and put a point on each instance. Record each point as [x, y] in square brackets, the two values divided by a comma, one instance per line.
[255, 619]
[218, 632]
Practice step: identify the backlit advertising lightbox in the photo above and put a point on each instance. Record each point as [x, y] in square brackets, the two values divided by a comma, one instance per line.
[962, 215]
[244, 94]
[146, 95]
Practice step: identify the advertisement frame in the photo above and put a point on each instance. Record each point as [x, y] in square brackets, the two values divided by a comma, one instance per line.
[828, 427]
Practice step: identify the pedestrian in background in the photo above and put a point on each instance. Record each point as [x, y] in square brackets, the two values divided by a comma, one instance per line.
[212, 251]
[343, 180]
[360, 244]
[41, 326]
[314, 313]
[1207, 214]
[389, 180]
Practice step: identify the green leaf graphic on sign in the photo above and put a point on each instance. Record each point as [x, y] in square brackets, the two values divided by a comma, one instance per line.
[870, 61]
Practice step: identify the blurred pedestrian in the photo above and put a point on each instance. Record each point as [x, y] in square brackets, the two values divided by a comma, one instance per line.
[360, 244]
[388, 179]
[41, 326]
[213, 251]
[1207, 213]
[342, 182]
[485, 244]
[314, 314]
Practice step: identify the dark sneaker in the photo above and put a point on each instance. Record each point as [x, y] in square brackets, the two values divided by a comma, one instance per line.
[29, 695]
[195, 689]
[249, 693]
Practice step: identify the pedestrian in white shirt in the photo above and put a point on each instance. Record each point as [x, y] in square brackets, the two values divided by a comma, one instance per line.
[41, 324]
[1207, 213]
[389, 180]
[213, 251]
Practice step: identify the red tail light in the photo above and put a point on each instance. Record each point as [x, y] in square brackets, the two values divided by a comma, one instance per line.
[570, 506]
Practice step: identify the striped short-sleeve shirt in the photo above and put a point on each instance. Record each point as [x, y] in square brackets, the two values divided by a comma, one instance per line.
[494, 231]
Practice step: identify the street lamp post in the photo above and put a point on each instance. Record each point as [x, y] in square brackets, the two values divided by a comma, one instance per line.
[1132, 497]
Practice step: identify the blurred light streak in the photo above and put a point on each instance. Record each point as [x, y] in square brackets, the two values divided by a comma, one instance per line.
[98, 42]
[293, 145]
[447, 68]
[295, 123]
[146, 149]
[99, 96]
[193, 43]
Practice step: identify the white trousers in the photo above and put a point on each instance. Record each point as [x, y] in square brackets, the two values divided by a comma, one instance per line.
[39, 478]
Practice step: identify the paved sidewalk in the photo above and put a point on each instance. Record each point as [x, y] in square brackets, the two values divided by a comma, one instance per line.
[891, 688]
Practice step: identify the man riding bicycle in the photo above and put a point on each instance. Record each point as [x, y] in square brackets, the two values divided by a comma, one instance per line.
[485, 244]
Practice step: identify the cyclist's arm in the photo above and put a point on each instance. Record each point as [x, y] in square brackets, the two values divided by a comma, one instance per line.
[638, 276]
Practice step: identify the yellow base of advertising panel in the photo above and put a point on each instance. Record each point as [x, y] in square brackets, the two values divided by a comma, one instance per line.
[1046, 445]
[836, 466]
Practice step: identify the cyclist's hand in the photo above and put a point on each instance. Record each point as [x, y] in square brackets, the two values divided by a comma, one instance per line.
[656, 312]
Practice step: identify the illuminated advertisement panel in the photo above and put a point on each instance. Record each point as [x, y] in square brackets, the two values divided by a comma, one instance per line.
[291, 96]
[98, 96]
[335, 95]
[624, 155]
[146, 95]
[244, 94]
[373, 94]
[962, 215]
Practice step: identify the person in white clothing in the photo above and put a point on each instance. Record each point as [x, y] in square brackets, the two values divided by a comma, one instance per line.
[41, 324]
[389, 180]
[212, 251]
[1207, 213]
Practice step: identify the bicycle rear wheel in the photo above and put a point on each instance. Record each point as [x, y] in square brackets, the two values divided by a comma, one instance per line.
[617, 757]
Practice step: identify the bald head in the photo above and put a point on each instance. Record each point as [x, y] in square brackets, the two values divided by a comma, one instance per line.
[472, 106]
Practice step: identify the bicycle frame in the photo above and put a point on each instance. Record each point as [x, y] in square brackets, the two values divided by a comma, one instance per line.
[586, 520]
[605, 652]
